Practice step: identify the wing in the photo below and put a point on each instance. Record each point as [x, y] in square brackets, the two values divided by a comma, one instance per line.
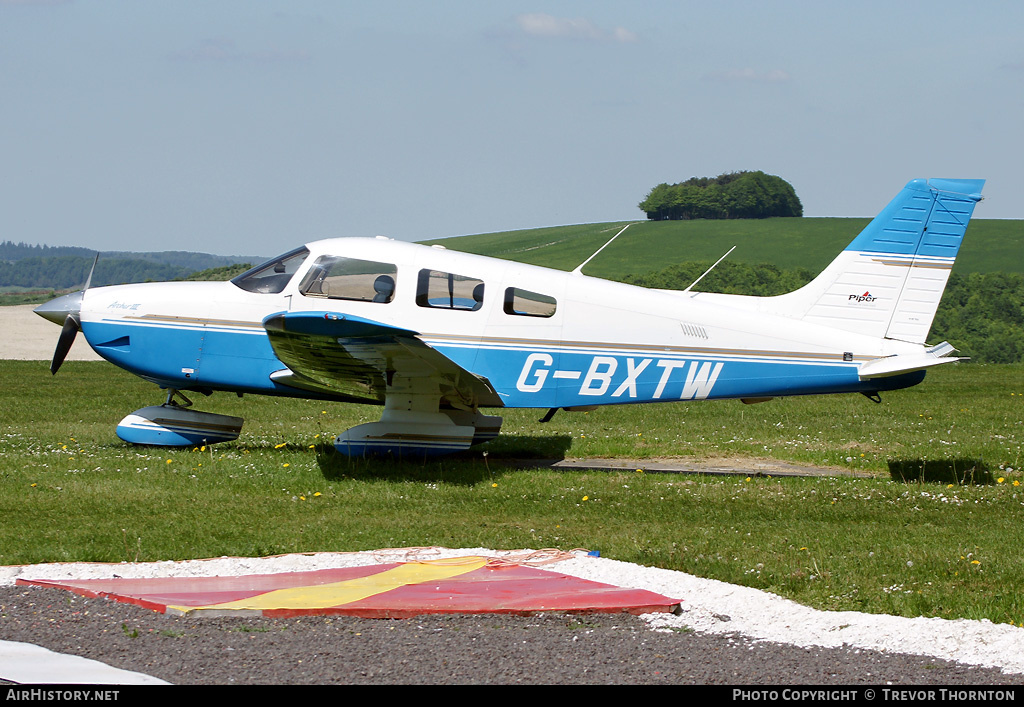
[360, 359]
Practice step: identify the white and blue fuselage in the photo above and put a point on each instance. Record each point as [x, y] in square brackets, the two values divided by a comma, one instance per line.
[425, 330]
[606, 342]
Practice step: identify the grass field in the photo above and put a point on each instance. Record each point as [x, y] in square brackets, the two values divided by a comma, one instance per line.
[809, 243]
[936, 532]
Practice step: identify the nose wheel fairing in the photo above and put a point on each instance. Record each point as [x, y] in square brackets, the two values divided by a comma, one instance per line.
[175, 425]
[172, 426]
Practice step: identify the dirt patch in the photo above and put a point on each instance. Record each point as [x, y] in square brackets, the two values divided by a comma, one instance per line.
[730, 466]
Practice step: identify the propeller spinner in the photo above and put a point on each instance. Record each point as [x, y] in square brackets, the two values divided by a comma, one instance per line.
[66, 310]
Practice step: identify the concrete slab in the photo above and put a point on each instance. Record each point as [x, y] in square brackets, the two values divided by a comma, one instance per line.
[27, 664]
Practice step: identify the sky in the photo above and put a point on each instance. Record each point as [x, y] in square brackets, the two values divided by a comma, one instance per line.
[247, 127]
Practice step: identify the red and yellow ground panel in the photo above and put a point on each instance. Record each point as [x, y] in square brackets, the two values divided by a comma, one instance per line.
[464, 585]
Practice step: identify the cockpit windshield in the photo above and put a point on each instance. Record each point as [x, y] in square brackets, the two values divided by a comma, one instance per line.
[272, 276]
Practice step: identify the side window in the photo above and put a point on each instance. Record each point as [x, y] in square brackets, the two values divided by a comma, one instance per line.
[335, 277]
[445, 290]
[272, 276]
[528, 304]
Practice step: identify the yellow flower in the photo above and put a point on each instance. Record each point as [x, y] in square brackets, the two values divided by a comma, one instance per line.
[494, 485]
[278, 446]
[586, 498]
[1000, 480]
[316, 494]
[975, 562]
[287, 464]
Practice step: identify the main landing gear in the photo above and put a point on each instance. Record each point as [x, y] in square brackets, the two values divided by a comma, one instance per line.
[414, 425]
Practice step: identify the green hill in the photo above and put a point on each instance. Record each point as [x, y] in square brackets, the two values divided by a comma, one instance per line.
[787, 243]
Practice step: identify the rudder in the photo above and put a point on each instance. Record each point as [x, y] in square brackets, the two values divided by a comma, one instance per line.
[889, 280]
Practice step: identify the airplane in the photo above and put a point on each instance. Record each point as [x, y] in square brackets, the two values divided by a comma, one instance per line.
[436, 337]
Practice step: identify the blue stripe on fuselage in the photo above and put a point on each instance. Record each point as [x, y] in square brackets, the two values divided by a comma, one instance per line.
[223, 358]
[570, 377]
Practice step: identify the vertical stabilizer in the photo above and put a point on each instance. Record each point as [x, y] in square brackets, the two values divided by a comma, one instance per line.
[889, 280]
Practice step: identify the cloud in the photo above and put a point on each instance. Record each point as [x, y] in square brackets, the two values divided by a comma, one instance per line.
[539, 24]
[751, 75]
[621, 34]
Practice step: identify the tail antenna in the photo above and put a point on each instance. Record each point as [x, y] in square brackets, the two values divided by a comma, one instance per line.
[710, 269]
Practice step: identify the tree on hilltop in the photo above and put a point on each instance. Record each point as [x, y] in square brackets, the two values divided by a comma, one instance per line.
[731, 195]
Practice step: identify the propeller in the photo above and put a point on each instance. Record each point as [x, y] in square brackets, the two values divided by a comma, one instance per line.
[66, 311]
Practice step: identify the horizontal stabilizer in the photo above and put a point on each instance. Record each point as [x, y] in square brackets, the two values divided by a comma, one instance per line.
[907, 363]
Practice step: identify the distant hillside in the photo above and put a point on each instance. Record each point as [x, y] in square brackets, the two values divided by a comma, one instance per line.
[28, 267]
[11, 251]
[221, 274]
[13, 295]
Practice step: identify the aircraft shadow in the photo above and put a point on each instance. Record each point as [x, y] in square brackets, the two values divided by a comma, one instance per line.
[491, 460]
[940, 471]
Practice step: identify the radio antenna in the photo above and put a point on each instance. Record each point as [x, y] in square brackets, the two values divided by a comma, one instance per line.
[710, 269]
[579, 269]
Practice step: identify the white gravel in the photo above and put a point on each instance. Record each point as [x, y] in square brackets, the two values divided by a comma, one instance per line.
[708, 606]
